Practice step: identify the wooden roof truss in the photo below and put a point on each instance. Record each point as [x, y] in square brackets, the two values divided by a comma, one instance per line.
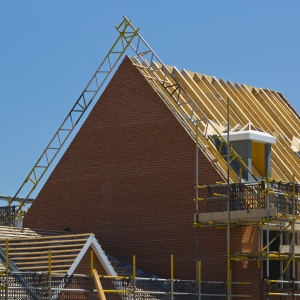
[202, 101]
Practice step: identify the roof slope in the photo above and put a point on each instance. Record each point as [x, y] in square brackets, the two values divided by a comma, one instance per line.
[265, 109]
[8, 232]
[29, 250]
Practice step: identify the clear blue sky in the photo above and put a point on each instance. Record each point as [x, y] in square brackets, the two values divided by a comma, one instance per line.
[50, 49]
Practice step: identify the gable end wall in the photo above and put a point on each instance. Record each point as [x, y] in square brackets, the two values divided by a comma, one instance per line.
[128, 176]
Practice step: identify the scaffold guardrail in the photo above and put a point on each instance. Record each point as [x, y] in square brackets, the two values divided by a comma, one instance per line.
[251, 195]
[80, 286]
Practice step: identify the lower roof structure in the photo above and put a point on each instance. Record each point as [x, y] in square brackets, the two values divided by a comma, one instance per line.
[30, 250]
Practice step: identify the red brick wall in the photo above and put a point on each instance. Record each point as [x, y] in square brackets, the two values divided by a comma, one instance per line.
[128, 176]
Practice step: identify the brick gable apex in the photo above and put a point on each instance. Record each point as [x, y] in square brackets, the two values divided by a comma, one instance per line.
[128, 176]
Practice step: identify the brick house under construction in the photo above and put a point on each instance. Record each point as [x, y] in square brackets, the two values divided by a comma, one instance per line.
[129, 177]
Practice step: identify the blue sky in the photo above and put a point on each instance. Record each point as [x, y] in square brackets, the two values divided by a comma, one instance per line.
[50, 49]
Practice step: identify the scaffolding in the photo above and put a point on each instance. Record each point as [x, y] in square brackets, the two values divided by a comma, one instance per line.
[79, 286]
[53, 285]
[272, 206]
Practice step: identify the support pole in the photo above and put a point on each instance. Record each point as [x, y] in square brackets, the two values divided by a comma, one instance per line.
[172, 277]
[268, 235]
[281, 262]
[134, 275]
[92, 273]
[199, 280]
[293, 238]
[92, 263]
[6, 269]
[49, 272]
[197, 203]
[261, 265]
[228, 204]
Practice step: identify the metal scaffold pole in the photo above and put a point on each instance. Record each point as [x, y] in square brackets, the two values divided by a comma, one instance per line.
[293, 237]
[197, 204]
[199, 280]
[261, 243]
[268, 235]
[134, 276]
[292, 243]
[281, 262]
[49, 273]
[228, 204]
[6, 270]
[172, 277]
